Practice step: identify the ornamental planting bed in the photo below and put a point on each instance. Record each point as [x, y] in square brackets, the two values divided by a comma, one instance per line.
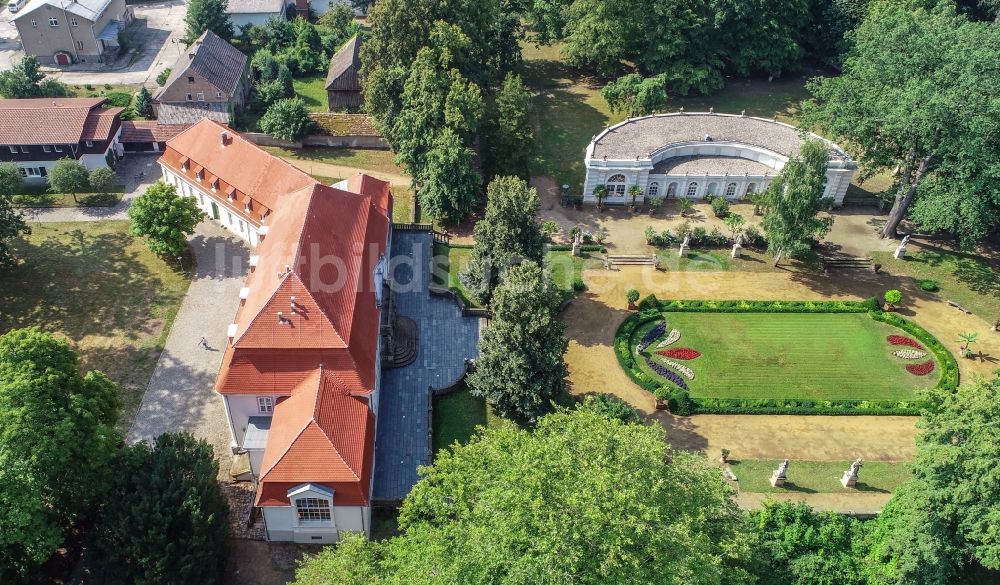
[781, 357]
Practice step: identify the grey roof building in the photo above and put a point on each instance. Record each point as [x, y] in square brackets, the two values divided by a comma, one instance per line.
[208, 81]
[704, 154]
[343, 82]
[254, 12]
[61, 32]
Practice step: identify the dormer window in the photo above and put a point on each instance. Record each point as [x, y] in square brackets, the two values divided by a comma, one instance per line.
[215, 185]
[246, 208]
[200, 175]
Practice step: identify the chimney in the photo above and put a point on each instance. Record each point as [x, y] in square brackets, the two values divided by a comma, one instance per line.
[224, 136]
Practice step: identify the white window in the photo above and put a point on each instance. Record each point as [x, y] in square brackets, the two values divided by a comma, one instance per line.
[188, 97]
[79, 44]
[34, 23]
[654, 189]
[24, 149]
[692, 189]
[201, 96]
[73, 22]
[730, 190]
[57, 148]
[265, 404]
[46, 148]
[751, 189]
[89, 143]
[312, 510]
[672, 190]
[53, 22]
[33, 172]
[13, 149]
[616, 186]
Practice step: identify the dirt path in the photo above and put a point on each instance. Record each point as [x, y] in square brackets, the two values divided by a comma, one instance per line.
[593, 318]
[342, 172]
[845, 503]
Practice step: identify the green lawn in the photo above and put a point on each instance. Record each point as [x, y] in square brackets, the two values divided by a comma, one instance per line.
[456, 417]
[570, 110]
[819, 476]
[45, 199]
[91, 282]
[969, 280]
[100, 90]
[312, 90]
[812, 356]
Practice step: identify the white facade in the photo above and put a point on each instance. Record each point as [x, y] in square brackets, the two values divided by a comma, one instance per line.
[285, 523]
[241, 19]
[216, 206]
[714, 157]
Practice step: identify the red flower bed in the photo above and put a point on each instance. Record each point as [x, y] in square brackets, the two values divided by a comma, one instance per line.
[680, 353]
[900, 340]
[921, 369]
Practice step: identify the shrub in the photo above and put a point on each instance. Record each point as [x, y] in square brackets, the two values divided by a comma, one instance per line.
[118, 99]
[720, 207]
[649, 303]
[632, 295]
[161, 79]
[578, 285]
[753, 238]
[893, 296]
[650, 234]
[929, 285]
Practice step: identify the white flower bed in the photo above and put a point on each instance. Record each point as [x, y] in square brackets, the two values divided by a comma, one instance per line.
[682, 369]
[909, 354]
[671, 338]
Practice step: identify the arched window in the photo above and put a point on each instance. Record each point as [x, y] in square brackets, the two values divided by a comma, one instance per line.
[730, 190]
[751, 189]
[672, 190]
[616, 186]
[692, 189]
[712, 188]
[654, 189]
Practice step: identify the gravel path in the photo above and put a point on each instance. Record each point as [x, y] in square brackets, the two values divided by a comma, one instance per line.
[180, 396]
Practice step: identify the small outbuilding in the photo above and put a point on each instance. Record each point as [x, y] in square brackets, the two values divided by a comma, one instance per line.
[343, 84]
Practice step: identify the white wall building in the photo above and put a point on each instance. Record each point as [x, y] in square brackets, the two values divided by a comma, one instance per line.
[697, 155]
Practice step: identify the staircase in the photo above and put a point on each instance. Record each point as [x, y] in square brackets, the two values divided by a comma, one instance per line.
[631, 260]
[847, 262]
[405, 339]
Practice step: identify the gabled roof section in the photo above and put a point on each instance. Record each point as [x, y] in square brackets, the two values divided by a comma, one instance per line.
[47, 120]
[344, 67]
[212, 58]
[100, 123]
[89, 9]
[149, 131]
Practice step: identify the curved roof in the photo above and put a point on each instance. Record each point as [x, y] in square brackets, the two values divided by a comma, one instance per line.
[640, 137]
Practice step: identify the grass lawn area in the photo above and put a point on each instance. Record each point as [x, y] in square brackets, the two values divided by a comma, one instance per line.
[402, 205]
[359, 158]
[970, 280]
[456, 417]
[721, 260]
[101, 90]
[571, 111]
[46, 199]
[819, 476]
[112, 298]
[312, 90]
[811, 356]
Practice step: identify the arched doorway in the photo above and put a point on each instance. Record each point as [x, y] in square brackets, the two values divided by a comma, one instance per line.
[63, 58]
[616, 187]
[672, 190]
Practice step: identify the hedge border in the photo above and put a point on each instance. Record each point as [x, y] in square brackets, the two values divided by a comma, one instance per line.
[679, 401]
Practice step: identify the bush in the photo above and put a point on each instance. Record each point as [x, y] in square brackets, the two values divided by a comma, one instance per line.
[753, 238]
[578, 285]
[632, 295]
[569, 247]
[161, 79]
[720, 207]
[929, 285]
[649, 303]
[893, 296]
[611, 406]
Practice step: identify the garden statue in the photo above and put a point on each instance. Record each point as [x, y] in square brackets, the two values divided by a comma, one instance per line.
[738, 246]
[850, 478]
[685, 245]
[900, 252]
[780, 475]
[577, 241]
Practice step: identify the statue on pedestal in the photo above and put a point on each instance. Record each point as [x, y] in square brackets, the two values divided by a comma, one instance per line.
[685, 246]
[780, 475]
[850, 478]
[900, 252]
[577, 242]
[738, 246]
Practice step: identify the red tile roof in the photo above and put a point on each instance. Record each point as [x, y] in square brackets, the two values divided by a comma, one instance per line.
[149, 131]
[321, 434]
[54, 120]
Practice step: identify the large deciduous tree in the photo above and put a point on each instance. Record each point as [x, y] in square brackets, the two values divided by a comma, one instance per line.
[449, 185]
[918, 93]
[583, 498]
[509, 231]
[205, 15]
[12, 222]
[57, 438]
[761, 35]
[287, 119]
[793, 201]
[165, 520]
[165, 218]
[520, 369]
[510, 130]
[635, 95]
[69, 176]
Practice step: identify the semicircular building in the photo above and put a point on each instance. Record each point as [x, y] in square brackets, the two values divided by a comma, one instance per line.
[697, 155]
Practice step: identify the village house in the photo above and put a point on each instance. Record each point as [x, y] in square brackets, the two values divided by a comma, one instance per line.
[343, 82]
[35, 133]
[60, 32]
[208, 81]
[701, 155]
[301, 372]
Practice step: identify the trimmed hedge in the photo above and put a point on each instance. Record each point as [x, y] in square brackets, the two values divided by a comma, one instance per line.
[583, 248]
[680, 402]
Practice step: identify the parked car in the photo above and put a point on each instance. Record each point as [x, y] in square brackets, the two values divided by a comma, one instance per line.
[15, 5]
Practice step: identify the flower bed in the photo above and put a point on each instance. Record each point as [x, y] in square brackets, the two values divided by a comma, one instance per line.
[651, 336]
[902, 340]
[669, 375]
[909, 354]
[921, 369]
[684, 370]
[672, 337]
[680, 353]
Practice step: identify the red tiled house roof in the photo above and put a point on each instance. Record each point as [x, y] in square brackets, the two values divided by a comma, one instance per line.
[149, 131]
[55, 120]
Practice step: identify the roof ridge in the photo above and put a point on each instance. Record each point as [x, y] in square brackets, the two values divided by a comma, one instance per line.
[319, 398]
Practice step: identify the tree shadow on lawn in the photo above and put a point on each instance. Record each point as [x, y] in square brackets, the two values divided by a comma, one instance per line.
[591, 322]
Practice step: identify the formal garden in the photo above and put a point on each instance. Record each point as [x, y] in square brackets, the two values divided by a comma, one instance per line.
[773, 357]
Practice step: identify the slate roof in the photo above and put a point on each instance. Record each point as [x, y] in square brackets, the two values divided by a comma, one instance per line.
[220, 63]
[640, 137]
[255, 6]
[89, 9]
[712, 165]
[344, 67]
[55, 120]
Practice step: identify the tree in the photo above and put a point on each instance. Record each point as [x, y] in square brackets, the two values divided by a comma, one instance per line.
[25, 80]
[918, 94]
[144, 103]
[510, 132]
[69, 176]
[164, 218]
[57, 438]
[12, 222]
[584, 498]
[967, 339]
[449, 185]
[793, 200]
[520, 368]
[635, 95]
[287, 119]
[11, 179]
[165, 520]
[611, 406]
[103, 180]
[631, 295]
[205, 15]
[833, 22]
[761, 35]
[508, 232]
[892, 296]
[735, 223]
[600, 192]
